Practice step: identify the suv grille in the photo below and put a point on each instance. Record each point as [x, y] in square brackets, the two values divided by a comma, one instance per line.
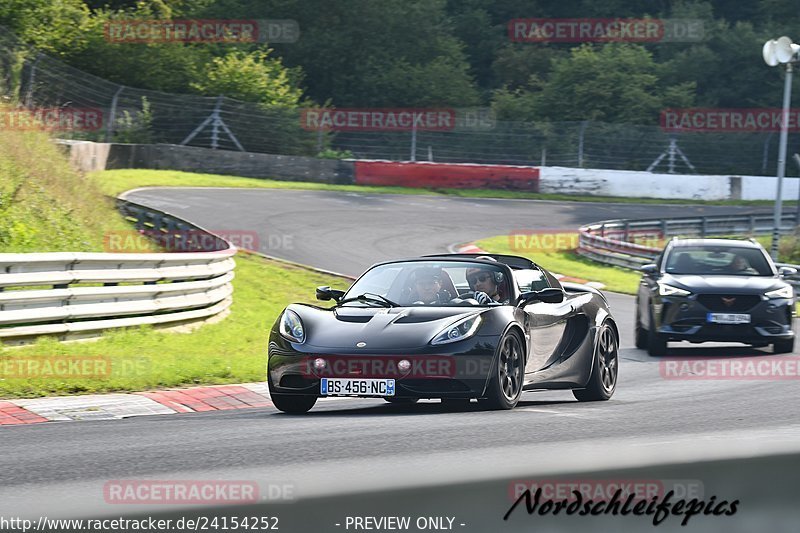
[729, 302]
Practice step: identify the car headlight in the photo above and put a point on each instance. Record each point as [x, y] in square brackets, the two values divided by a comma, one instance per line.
[464, 328]
[292, 327]
[783, 292]
[669, 290]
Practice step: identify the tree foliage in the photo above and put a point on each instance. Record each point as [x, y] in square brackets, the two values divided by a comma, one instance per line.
[407, 53]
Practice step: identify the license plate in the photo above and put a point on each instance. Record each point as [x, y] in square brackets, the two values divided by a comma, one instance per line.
[728, 318]
[356, 387]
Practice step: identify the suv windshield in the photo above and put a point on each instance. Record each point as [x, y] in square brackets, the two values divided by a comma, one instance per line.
[718, 260]
[432, 283]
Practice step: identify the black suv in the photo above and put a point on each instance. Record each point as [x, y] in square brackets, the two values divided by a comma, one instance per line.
[714, 290]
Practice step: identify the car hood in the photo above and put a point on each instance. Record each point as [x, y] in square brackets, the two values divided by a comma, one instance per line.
[723, 284]
[378, 328]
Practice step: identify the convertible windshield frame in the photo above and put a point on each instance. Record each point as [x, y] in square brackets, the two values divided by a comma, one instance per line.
[395, 282]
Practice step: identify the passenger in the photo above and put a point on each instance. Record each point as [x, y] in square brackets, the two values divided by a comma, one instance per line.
[486, 280]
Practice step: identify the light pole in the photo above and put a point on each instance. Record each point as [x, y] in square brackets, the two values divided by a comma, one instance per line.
[775, 52]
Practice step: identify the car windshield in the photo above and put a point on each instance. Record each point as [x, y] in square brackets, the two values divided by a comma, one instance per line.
[431, 283]
[718, 260]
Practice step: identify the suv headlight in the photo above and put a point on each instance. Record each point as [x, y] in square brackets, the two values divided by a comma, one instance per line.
[292, 327]
[464, 328]
[669, 290]
[783, 292]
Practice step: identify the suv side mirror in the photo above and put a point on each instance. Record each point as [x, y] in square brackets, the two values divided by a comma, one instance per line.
[787, 271]
[650, 269]
[550, 296]
[326, 293]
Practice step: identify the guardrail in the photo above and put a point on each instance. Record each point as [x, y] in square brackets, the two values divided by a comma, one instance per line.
[80, 294]
[614, 242]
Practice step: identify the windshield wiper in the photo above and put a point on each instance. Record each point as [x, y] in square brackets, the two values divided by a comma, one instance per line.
[369, 297]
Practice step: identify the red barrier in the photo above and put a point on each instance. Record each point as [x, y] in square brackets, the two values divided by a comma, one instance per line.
[457, 176]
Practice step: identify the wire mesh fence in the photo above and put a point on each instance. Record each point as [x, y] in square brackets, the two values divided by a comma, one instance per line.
[134, 115]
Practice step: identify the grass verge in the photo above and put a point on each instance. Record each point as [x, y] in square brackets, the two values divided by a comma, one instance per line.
[114, 182]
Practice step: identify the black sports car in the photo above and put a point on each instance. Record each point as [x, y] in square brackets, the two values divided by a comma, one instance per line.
[714, 290]
[453, 327]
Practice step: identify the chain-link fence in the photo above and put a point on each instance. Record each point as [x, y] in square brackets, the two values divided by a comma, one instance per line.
[143, 116]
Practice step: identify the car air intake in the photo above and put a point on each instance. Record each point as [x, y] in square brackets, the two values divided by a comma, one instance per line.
[732, 303]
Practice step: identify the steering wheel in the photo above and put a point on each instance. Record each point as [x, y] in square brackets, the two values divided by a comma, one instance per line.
[472, 296]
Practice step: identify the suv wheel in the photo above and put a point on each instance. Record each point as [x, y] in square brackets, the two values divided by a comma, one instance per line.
[656, 342]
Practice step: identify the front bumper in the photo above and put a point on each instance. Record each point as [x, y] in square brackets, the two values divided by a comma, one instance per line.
[686, 318]
[459, 370]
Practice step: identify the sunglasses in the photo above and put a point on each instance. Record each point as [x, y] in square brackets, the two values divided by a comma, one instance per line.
[472, 280]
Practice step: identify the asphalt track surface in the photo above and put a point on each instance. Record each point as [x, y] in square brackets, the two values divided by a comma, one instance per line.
[354, 446]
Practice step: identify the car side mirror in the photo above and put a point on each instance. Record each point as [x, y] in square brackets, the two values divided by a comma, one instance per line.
[787, 271]
[650, 269]
[548, 296]
[325, 293]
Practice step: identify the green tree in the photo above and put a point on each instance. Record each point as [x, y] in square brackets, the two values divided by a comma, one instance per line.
[612, 83]
[252, 77]
[55, 27]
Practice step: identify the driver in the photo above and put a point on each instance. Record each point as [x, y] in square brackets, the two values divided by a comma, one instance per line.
[426, 287]
[485, 280]
[740, 264]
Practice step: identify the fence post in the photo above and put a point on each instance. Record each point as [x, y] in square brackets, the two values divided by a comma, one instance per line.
[215, 124]
[580, 142]
[31, 81]
[703, 226]
[112, 114]
[414, 141]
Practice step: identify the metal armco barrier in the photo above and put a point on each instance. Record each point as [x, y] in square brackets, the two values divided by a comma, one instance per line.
[611, 241]
[81, 294]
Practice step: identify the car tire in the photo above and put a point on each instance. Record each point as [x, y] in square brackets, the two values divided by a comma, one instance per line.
[640, 334]
[785, 346]
[656, 342]
[293, 404]
[401, 401]
[605, 368]
[507, 375]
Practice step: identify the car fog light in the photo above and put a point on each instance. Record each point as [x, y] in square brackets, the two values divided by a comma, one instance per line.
[319, 363]
[404, 365]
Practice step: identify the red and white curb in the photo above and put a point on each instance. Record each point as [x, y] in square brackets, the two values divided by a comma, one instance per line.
[472, 249]
[117, 406]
